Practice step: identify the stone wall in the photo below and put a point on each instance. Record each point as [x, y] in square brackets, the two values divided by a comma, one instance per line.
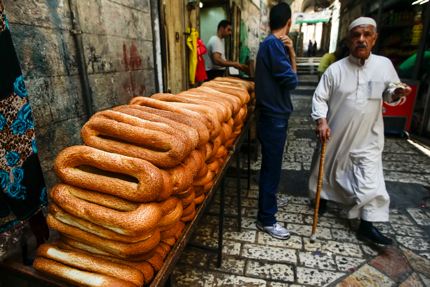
[118, 52]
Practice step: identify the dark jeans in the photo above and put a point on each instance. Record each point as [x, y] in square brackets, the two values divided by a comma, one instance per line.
[272, 134]
[212, 74]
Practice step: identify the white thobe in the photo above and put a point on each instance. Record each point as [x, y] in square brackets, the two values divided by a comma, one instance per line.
[350, 96]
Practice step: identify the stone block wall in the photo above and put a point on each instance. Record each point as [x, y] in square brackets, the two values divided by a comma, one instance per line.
[118, 52]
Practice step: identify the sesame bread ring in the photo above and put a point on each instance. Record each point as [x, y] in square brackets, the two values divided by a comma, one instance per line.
[118, 132]
[189, 121]
[172, 107]
[226, 88]
[90, 263]
[77, 277]
[130, 178]
[116, 248]
[135, 222]
[95, 229]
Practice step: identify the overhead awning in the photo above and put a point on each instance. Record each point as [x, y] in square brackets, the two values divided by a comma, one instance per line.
[313, 18]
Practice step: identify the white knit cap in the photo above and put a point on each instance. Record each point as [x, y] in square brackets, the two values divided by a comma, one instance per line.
[362, 21]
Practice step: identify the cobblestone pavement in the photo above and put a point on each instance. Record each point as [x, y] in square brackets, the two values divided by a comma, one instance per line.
[337, 258]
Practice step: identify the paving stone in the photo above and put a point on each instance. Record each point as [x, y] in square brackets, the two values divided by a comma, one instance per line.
[185, 277]
[309, 276]
[348, 264]
[418, 263]
[426, 280]
[317, 260]
[393, 263]
[194, 257]
[224, 280]
[412, 281]
[249, 236]
[312, 246]
[231, 247]
[294, 242]
[248, 223]
[251, 212]
[344, 235]
[328, 221]
[414, 243]
[406, 177]
[270, 253]
[299, 200]
[279, 272]
[278, 284]
[228, 265]
[250, 202]
[420, 217]
[289, 217]
[408, 230]
[299, 208]
[252, 193]
[291, 166]
[425, 255]
[400, 219]
[305, 230]
[369, 250]
[342, 248]
[366, 276]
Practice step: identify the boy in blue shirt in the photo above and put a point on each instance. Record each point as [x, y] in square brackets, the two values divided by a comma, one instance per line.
[275, 77]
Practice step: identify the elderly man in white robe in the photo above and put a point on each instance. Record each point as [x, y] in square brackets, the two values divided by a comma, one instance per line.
[347, 108]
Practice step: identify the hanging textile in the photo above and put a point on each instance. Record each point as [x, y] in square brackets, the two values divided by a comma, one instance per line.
[201, 68]
[22, 187]
[192, 45]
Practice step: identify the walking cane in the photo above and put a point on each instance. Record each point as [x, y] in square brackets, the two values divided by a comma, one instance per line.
[317, 195]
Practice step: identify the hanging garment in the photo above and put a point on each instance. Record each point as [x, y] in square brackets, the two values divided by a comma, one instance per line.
[22, 187]
[201, 67]
[192, 45]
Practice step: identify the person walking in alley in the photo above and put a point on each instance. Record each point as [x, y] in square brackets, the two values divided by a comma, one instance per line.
[347, 108]
[276, 76]
[216, 64]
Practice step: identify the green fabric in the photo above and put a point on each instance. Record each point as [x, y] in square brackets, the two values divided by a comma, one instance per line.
[313, 21]
[407, 67]
[326, 60]
[244, 50]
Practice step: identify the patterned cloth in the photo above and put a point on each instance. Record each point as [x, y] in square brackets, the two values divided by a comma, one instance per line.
[22, 187]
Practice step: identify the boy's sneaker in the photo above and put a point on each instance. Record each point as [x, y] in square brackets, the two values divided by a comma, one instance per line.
[276, 230]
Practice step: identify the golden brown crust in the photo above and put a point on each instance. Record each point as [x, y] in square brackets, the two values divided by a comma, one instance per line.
[71, 244]
[116, 248]
[190, 208]
[118, 132]
[95, 229]
[212, 93]
[249, 85]
[222, 111]
[227, 88]
[188, 217]
[156, 262]
[198, 200]
[142, 220]
[190, 121]
[240, 117]
[190, 132]
[126, 177]
[173, 216]
[209, 176]
[77, 277]
[213, 116]
[172, 107]
[86, 262]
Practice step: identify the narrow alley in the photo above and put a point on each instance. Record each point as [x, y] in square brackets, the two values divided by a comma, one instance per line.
[337, 258]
